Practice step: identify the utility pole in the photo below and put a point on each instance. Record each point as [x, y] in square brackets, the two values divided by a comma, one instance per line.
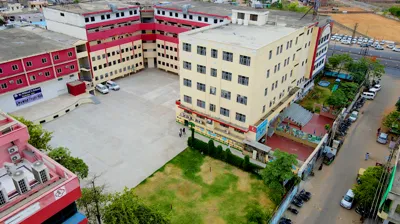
[97, 202]
[354, 33]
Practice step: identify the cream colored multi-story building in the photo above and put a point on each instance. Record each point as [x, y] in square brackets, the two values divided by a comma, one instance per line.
[236, 77]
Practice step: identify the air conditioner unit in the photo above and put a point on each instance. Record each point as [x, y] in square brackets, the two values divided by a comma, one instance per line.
[13, 149]
[15, 157]
[40, 172]
[21, 182]
[3, 195]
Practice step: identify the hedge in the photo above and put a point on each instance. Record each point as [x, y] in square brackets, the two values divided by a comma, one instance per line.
[226, 156]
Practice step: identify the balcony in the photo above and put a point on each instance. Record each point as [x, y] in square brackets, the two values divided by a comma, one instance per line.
[81, 54]
[85, 68]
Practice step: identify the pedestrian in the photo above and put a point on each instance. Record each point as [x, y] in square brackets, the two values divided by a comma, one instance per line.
[180, 130]
[320, 167]
[180, 134]
[366, 156]
[184, 132]
[379, 130]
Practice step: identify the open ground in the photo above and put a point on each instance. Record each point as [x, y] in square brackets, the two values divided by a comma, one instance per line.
[371, 25]
[193, 188]
[130, 134]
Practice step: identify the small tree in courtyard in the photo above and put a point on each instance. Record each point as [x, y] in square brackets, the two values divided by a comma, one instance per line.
[338, 62]
[39, 137]
[74, 164]
[211, 148]
[337, 99]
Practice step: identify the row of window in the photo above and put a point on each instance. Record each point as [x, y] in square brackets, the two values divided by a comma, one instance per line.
[324, 38]
[124, 69]
[223, 111]
[112, 26]
[323, 50]
[167, 64]
[167, 56]
[113, 53]
[30, 64]
[166, 47]
[108, 16]
[319, 63]
[5, 85]
[226, 56]
[185, 16]
[110, 63]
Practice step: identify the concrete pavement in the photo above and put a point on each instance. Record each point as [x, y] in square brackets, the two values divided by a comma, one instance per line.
[330, 184]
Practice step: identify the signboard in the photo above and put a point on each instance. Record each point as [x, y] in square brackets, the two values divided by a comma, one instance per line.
[60, 192]
[23, 214]
[261, 129]
[28, 96]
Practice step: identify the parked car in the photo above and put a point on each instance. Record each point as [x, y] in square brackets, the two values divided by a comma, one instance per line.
[382, 138]
[368, 95]
[353, 116]
[383, 42]
[333, 38]
[102, 88]
[112, 85]
[373, 90]
[354, 41]
[378, 47]
[378, 86]
[396, 49]
[390, 46]
[364, 45]
[348, 199]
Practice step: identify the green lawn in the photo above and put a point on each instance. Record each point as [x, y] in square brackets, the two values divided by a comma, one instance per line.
[193, 188]
[322, 94]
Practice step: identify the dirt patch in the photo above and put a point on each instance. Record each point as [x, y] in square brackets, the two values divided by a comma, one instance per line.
[169, 172]
[264, 200]
[244, 182]
[211, 169]
[371, 25]
[186, 190]
[212, 211]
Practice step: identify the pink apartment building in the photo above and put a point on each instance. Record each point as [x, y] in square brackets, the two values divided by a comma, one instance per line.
[33, 187]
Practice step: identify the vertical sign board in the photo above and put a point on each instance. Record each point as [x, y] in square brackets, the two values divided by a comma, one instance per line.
[261, 130]
[28, 96]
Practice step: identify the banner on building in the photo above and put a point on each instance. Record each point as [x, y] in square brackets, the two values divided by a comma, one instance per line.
[28, 96]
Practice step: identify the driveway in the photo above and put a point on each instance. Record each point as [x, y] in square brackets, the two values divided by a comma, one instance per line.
[331, 183]
[130, 134]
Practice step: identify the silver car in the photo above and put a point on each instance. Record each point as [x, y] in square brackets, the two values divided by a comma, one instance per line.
[382, 138]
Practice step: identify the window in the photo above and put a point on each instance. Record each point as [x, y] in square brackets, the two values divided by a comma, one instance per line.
[213, 72]
[263, 110]
[122, 14]
[199, 18]
[92, 19]
[201, 87]
[214, 53]
[225, 94]
[117, 15]
[240, 117]
[187, 99]
[176, 14]
[287, 45]
[281, 48]
[241, 99]
[243, 80]
[1, 70]
[212, 107]
[224, 112]
[244, 60]
[273, 85]
[279, 66]
[275, 67]
[268, 73]
[253, 17]
[215, 20]
[29, 63]
[108, 16]
[213, 90]
[187, 65]
[201, 50]
[187, 82]
[190, 17]
[205, 19]
[277, 50]
[184, 16]
[201, 69]
[19, 81]
[72, 67]
[270, 54]
[4, 85]
[297, 38]
[59, 70]
[86, 20]
[201, 104]
[32, 78]
[47, 74]
[265, 91]
[14, 67]
[227, 76]
[56, 57]
[294, 55]
[44, 60]
[187, 47]
[227, 56]
[290, 45]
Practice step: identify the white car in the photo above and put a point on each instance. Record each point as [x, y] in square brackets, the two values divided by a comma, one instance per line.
[390, 46]
[378, 47]
[112, 85]
[353, 116]
[396, 49]
[102, 88]
[378, 86]
[373, 90]
[347, 200]
[383, 42]
[347, 42]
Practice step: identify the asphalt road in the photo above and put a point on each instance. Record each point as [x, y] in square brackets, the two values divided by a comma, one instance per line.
[329, 185]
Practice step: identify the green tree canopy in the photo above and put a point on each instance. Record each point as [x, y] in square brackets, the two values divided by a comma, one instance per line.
[338, 62]
[76, 165]
[337, 99]
[39, 137]
[398, 105]
[366, 68]
[277, 172]
[349, 89]
[87, 202]
[255, 214]
[126, 208]
[365, 192]
[392, 120]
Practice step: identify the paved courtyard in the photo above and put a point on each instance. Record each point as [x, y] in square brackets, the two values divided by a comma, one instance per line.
[130, 134]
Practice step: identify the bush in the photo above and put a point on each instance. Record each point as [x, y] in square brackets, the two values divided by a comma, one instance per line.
[246, 163]
[211, 148]
[189, 141]
[219, 152]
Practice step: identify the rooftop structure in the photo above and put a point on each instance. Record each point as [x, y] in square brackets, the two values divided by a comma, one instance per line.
[33, 187]
[92, 6]
[29, 40]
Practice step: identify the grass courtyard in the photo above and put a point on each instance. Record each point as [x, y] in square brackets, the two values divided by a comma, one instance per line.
[193, 188]
[318, 95]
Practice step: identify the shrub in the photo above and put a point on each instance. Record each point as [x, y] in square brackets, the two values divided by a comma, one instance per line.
[211, 148]
[219, 152]
[189, 142]
[246, 163]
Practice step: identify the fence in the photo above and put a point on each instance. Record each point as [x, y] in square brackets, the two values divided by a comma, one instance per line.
[284, 205]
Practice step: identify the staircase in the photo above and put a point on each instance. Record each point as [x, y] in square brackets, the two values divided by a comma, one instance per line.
[297, 114]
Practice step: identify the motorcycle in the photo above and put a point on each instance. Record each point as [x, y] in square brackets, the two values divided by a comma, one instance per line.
[297, 203]
[293, 210]
[285, 221]
[304, 197]
[305, 193]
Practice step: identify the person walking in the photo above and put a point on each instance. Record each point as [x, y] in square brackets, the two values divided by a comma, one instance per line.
[184, 132]
[366, 156]
[379, 131]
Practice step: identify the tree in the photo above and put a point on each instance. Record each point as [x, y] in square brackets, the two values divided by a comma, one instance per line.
[127, 208]
[246, 163]
[398, 105]
[255, 214]
[87, 202]
[338, 62]
[364, 192]
[76, 165]
[337, 99]
[392, 120]
[349, 89]
[39, 137]
[211, 148]
[277, 172]
[365, 69]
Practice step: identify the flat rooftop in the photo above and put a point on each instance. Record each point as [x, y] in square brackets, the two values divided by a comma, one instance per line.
[91, 6]
[243, 36]
[25, 41]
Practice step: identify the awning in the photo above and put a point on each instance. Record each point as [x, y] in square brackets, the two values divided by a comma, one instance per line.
[257, 145]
